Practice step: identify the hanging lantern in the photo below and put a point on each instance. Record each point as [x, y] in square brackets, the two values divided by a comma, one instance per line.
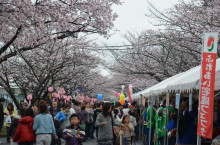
[29, 98]
[50, 89]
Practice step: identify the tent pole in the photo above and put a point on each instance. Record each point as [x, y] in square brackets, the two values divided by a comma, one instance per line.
[140, 121]
[150, 121]
[177, 128]
[198, 136]
[166, 118]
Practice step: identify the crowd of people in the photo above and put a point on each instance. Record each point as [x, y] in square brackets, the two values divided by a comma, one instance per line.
[111, 123]
[74, 122]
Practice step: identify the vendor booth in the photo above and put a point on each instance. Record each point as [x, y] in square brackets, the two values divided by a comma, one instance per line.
[186, 84]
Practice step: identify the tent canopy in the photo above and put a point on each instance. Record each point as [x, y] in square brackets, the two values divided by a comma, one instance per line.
[185, 81]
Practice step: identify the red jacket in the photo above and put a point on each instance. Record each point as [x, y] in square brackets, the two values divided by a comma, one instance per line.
[24, 132]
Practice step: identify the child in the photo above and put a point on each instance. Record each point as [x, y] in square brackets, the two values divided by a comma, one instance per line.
[125, 130]
[24, 134]
[15, 121]
[74, 134]
[58, 132]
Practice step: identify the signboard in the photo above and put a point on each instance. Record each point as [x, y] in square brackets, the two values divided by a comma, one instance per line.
[79, 84]
[130, 93]
[206, 98]
[177, 101]
[190, 102]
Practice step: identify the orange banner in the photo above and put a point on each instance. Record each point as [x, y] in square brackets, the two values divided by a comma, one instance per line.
[206, 102]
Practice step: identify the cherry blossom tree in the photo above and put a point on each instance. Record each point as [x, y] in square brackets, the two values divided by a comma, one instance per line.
[27, 24]
[58, 64]
[155, 55]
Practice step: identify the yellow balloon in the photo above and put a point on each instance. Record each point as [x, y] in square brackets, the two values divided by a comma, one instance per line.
[122, 97]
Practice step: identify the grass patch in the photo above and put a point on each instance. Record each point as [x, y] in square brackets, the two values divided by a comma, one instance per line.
[3, 132]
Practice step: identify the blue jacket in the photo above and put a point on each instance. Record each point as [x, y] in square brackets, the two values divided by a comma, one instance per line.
[43, 124]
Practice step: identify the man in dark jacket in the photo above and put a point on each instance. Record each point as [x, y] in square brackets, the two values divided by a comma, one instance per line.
[2, 101]
[54, 109]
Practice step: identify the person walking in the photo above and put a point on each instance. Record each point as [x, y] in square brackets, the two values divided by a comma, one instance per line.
[54, 109]
[15, 121]
[10, 112]
[115, 117]
[67, 113]
[59, 133]
[24, 134]
[44, 126]
[2, 102]
[133, 122]
[104, 122]
[96, 112]
[83, 116]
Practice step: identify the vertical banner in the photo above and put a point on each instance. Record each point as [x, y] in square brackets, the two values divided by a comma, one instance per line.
[177, 101]
[206, 98]
[190, 102]
[130, 93]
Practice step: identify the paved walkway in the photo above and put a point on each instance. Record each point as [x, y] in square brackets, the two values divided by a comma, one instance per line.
[88, 142]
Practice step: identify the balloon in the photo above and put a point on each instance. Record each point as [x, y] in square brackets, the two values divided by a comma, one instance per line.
[116, 94]
[99, 96]
[122, 102]
[122, 97]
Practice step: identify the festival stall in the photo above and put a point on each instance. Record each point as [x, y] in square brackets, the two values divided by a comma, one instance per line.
[186, 82]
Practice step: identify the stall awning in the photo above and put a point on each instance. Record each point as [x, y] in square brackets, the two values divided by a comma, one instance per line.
[185, 81]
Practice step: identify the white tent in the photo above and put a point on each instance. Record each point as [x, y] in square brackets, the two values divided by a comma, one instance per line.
[185, 81]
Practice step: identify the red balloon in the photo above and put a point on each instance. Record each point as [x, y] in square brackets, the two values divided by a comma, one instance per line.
[116, 94]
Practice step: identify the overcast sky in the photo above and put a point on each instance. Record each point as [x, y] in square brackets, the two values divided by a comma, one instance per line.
[132, 18]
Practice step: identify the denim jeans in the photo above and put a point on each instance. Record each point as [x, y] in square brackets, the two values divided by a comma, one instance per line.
[91, 131]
